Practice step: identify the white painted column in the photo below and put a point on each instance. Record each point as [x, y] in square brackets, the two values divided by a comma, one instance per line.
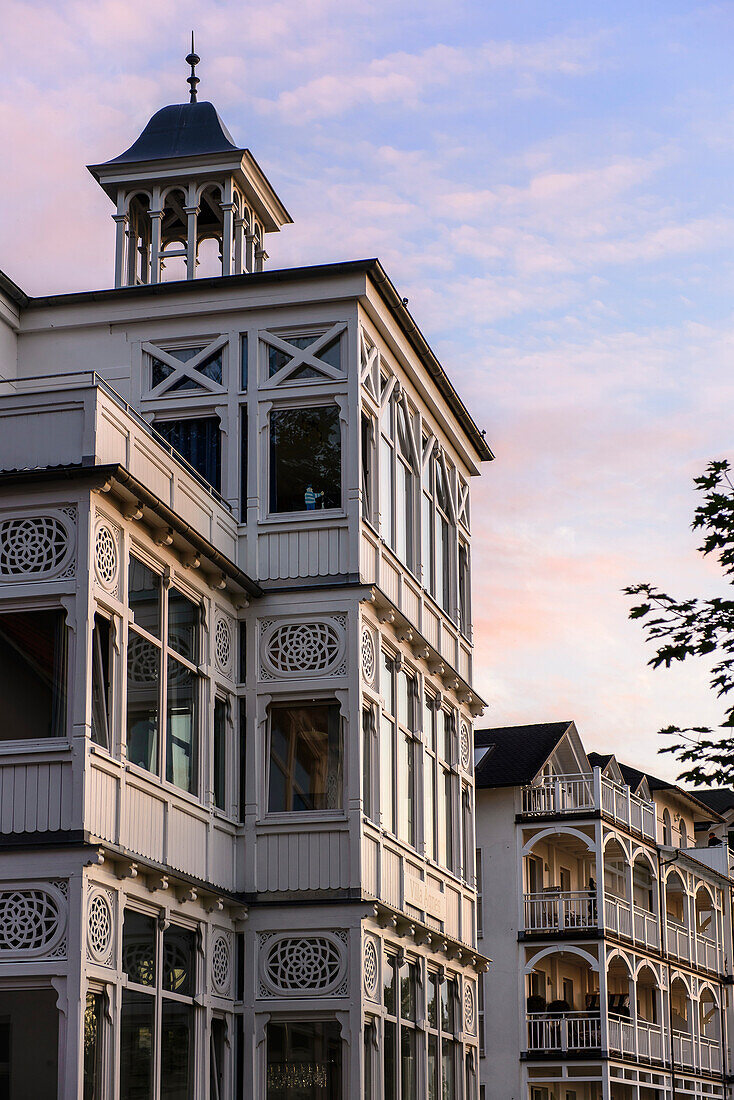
[192, 214]
[156, 219]
[239, 233]
[260, 258]
[121, 221]
[250, 251]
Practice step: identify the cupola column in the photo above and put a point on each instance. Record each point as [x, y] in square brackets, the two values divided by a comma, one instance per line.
[239, 234]
[250, 251]
[156, 221]
[192, 214]
[121, 224]
[260, 258]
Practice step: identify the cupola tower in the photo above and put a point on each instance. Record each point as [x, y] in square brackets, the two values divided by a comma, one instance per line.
[185, 181]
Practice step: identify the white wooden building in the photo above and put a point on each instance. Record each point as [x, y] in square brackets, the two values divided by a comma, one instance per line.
[236, 703]
[609, 929]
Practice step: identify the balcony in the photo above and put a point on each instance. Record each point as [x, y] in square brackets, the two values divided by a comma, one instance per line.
[692, 947]
[567, 1032]
[557, 911]
[587, 793]
[642, 1040]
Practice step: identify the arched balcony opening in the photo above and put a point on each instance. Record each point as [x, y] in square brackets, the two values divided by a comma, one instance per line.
[706, 929]
[210, 233]
[644, 901]
[208, 257]
[648, 1004]
[709, 1030]
[617, 907]
[563, 1002]
[137, 257]
[620, 994]
[667, 828]
[683, 834]
[677, 920]
[559, 885]
[681, 1016]
[174, 236]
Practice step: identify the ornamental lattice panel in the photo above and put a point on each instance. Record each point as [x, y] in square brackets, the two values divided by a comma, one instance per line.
[299, 649]
[221, 963]
[100, 926]
[106, 556]
[38, 547]
[303, 966]
[33, 921]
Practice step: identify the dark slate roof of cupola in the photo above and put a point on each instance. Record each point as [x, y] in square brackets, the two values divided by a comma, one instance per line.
[180, 130]
[515, 754]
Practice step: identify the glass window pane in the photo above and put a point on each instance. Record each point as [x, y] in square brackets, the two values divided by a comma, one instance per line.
[387, 681]
[101, 681]
[304, 1060]
[305, 459]
[177, 1061]
[305, 758]
[216, 1063]
[138, 947]
[387, 774]
[179, 960]
[367, 760]
[160, 371]
[331, 354]
[244, 465]
[404, 689]
[433, 1067]
[448, 1072]
[427, 543]
[32, 675]
[93, 1023]
[144, 597]
[448, 1005]
[211, 368]
[199, 441]
[408, 1076]
[181, 726]
[386, 492]
[406, 789]
[429, 779]
[137, 1031]
[220, 753]
[242, 743]
[448, 784]
[389, 1065]
[143, 685]
[433, 997]
[183, 625]
[243, 362]
[407, 991]
[404, 514]
[388, 985]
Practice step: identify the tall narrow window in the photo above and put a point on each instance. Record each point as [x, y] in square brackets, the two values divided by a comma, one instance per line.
[219, 754]
[304, 1060]
[198, 440]
[398, 477]
[467, 837]
[368, 467]
[464, 590]
[94, 1085]
[305, 459]
[243, 362]
[305, 758]
[400, 1046]
[368, 762]
[33, 674]
[439, 534]
[480, 890]
[173, 656]
[216, 1059]
[243, 464]
[101, 663]
[242, 742]
[398, 750]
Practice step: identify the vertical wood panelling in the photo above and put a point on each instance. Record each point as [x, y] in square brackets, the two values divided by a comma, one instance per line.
[102, 796]
[186, 842]
[142, 827]
[317, 860]
[453, 901]
[370, 856]
[36, 797]
[316, 552]
[221, 858]
[392, 878]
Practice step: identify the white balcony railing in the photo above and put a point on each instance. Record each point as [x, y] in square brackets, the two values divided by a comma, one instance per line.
[617, 916]
[707, 953]
[644, 1040]
[678, 939]
[646, 929]
[649, 1041]
[569, 1031]
[710, 1058]
[566, 794]
[683, 1049]
[560, 912]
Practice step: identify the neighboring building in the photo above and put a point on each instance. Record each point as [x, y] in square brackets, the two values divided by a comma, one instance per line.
[236, 783]
[608, 930]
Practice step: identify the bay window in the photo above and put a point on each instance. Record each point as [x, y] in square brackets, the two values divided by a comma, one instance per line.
[162, 678]
[306, 758]
[157, 1014]
[400, 1037]
[398, 478]
[398, 747]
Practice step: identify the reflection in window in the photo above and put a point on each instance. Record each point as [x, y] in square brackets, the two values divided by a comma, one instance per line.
[398, 744]
[220, 754]
[443, 1027]
[181, 725]
[93, 1053]
[216, 1059]
[438, 533]
[33, 670]
[183, 625]
[368, 468]
[369, 800]
[305, 758]
[144, 596]
[304, 1060]
[143, 677]
[400, 1040]
[199, 441]
[161, 972]
[101, 663]
[305, 459]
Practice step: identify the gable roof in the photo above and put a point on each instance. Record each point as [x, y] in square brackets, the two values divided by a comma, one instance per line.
[515, 754]
[718, 800]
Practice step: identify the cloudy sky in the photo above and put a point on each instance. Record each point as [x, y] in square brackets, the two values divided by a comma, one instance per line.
[549, 182]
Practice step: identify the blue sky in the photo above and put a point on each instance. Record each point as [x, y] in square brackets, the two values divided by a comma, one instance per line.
[551, 186]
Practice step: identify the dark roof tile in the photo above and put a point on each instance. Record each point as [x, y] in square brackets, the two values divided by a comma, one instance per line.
[515, 753]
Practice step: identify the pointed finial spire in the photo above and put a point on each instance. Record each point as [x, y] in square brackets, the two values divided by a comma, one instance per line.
[193, 60]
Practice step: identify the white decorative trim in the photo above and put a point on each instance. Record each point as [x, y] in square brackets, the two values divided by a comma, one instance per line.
[100, 925]
[33, 920]
[38, 547]
[368, 655]
[223, 644]
[465, 745]
[299, 649]
[106, 556]
[470, 1008]
[371, 967]
[221, 963]
[310, 965]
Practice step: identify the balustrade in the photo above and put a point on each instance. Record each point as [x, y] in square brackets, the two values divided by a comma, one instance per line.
[559, 912]
[683, 1049]
[565, 794]
[570, 1031]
